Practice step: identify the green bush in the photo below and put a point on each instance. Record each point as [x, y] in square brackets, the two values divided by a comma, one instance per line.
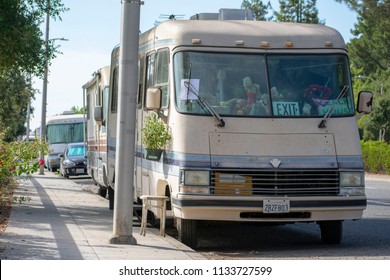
[155, 133]
[376, 156]
[17, 158]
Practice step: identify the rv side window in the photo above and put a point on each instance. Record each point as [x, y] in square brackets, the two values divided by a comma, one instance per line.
[105, 102]
[98, 96]
[141, 82]
[150, 71]
[114, 96]
[162, 76]
[88, 105]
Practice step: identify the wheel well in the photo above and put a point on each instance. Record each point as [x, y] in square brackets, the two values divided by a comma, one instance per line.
[163, 188]
[105, 178]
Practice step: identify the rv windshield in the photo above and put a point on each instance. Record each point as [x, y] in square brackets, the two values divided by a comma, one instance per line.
[257, 85]
[65, 133]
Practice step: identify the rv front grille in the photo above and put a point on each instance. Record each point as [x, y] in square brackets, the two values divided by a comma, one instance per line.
[275, 182]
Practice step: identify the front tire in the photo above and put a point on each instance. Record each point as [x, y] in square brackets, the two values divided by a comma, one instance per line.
[187, 232]
[331, 231]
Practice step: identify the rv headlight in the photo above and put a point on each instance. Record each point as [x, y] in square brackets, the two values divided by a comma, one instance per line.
[351, 179]
[351, 183]
[350, 191]
[196, 178]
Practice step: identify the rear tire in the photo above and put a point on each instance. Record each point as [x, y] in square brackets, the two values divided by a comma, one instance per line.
[331, 231]
[187, 232]
[102, 191]
[110, 198]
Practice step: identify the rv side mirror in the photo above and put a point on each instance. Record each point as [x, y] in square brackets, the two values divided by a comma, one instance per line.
[98, 115]
[364, 104]
[153, 99]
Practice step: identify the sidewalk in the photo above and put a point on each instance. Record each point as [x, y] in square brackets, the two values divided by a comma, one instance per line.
[64, 222]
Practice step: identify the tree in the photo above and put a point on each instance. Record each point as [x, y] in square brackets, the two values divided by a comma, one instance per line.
[289, 10]
[369, 49]
[15, 93]
[78, 110]
[22, 54]
[298, 11]
[369, 52]
[21, 44]
[259, 9]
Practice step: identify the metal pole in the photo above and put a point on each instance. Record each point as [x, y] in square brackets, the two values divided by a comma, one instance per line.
[28, 110]
[125, 137]
[28, 120]
[44, 93]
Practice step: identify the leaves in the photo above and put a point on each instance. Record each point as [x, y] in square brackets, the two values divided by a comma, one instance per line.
[22, 46]
[23, 54]
[155, 133]
[289, 10]
[298, 11]
[17, 158]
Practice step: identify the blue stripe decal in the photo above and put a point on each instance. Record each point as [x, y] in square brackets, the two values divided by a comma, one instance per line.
[172, 161]
[350, 162]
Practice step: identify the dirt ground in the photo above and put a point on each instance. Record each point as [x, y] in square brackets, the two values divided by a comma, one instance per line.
[4, 215]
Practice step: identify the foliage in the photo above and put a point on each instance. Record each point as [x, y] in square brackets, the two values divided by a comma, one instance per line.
[23, 54]
[298, 11]
[369, 49]
[370, 54]
[15, 94]
[155, 133]
[78, 110]
[289, 10]
[17, 158]
[378, 121]
[376, 157]
[22, 46]
[259, 9]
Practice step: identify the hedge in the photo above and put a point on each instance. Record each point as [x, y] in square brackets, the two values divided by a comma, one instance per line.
[376, 157]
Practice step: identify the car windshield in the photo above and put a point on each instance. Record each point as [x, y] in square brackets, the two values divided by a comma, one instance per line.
[75, 151]
[258, 85]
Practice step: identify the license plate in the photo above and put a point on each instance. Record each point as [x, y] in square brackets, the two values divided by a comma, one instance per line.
[276, 206]
[79, 171]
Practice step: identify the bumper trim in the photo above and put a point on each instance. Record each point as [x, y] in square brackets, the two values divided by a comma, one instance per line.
[259, 203]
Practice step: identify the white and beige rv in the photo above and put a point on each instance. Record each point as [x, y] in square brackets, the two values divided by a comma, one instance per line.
[263, 124]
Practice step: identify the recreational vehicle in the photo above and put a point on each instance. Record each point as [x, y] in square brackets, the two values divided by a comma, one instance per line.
[96, 97]
[61, 130]
[263, 124]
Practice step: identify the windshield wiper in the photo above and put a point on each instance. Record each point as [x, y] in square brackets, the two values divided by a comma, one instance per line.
[329, 113]
[190, 88]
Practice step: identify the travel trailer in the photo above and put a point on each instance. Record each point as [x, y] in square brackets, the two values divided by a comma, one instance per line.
[262, 119]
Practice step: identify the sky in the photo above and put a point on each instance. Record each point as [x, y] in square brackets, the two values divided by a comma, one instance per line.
[92, 30]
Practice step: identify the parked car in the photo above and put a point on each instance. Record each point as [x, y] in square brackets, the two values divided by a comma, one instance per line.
[73, 161]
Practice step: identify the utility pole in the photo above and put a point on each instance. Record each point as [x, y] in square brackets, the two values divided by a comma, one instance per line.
[44, 92]
[125, 137]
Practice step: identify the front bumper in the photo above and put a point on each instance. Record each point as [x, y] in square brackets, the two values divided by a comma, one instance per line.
[302, 209]
[75, 171]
